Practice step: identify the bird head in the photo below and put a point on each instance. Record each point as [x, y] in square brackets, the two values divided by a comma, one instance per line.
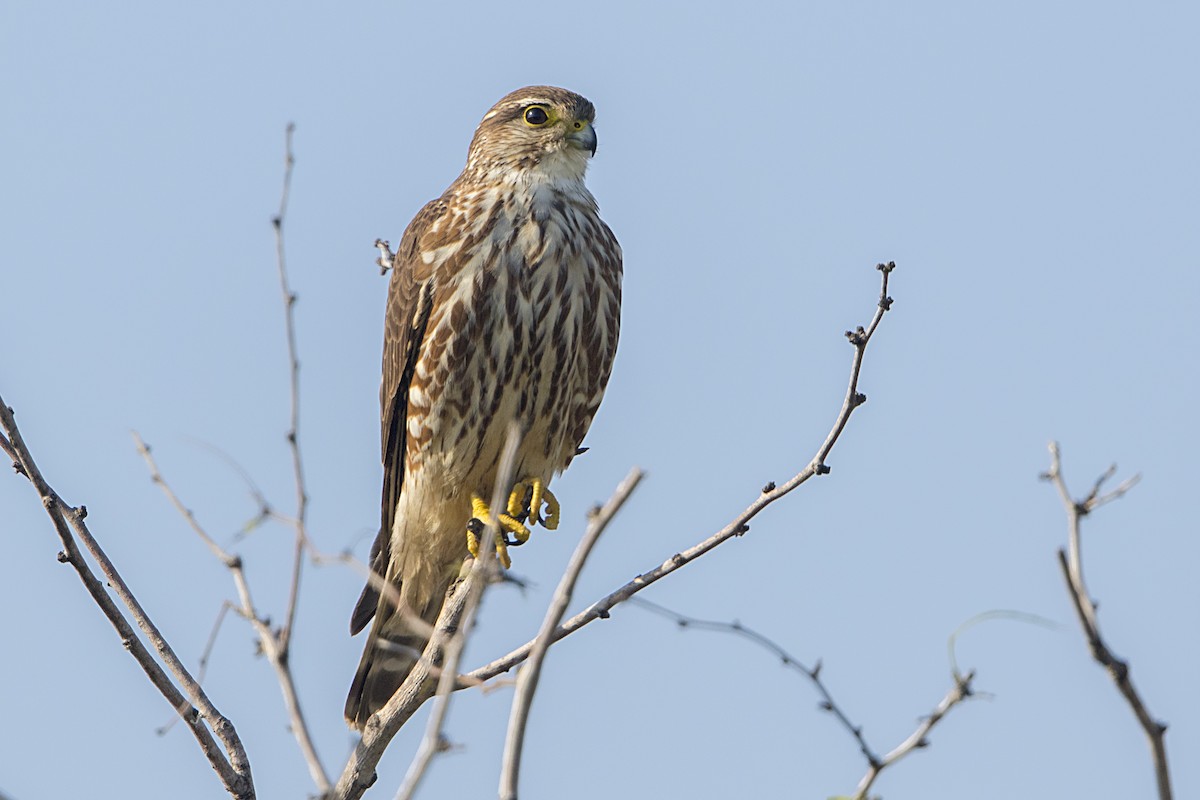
[538, 129]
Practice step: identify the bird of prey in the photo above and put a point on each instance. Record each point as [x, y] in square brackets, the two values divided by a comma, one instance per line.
[504, 305]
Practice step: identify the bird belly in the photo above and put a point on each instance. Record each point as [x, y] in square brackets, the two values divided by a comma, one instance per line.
[513, 355]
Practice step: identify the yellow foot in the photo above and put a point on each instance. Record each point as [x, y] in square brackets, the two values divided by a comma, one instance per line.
[482, 515]
[526, 500]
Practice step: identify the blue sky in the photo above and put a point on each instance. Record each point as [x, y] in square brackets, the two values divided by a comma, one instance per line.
[1031, 167]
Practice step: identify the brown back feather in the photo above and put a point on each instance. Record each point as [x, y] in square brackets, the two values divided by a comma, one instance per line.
[410, 298]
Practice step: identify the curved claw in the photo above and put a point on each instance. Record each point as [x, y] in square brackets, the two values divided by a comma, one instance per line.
[526, 501]
[553, 510]
[481, 515]
[516, 500]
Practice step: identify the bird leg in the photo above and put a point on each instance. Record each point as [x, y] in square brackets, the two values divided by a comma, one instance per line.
[525, 503]
[481, 516]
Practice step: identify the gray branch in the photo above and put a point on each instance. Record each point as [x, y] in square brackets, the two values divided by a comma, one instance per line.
[876, 764]
[272, 642]
[1071, 562]
[527, 678]
[195, 709]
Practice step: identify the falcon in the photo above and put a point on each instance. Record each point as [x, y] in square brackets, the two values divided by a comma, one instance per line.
[504, 306]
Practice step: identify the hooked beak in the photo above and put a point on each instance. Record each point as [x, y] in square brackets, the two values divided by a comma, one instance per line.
[582, 136]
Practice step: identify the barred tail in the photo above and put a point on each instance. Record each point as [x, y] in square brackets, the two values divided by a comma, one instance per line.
[393, 648]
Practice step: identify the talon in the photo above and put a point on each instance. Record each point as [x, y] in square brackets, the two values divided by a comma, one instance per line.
[502, 553]
[535, 501]
[481, 515]
[552, 510]
[516, 528]
[525, 503]
[517, 505]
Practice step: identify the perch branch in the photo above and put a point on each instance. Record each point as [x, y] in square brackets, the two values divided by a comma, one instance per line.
[436, 673]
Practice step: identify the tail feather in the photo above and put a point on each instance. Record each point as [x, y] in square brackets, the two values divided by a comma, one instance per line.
[393, 647]
[385, 664]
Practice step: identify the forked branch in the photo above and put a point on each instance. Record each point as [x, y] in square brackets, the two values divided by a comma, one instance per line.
[1071, 562]
[179, 687]
[876, 764]
[270, 641]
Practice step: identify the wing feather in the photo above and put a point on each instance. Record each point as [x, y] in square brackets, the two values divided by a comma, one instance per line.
[410, 299]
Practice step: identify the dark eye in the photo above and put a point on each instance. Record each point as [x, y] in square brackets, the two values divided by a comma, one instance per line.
[536, 115]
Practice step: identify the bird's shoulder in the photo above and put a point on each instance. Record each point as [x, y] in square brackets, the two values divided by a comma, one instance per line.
[420, 236]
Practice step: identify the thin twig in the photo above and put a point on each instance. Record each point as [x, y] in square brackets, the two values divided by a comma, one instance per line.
[11, 452]
[600, 609]
[527, 678]
[438, 663]
[1071, 562]
[293, 434]
[961, 690]
[202, 663]
[269, 640]
[813, 673]
[197, 711]
[265, 510]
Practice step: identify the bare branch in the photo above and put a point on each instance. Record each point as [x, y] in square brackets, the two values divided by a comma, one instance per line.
[293, 434]
[813, 673]
[875, 764]
[196, 710]
[959, 692]
[11, 452]
[205, 654]
[1071, 562]
[269, 640]
[600, 609]
[527, 678]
